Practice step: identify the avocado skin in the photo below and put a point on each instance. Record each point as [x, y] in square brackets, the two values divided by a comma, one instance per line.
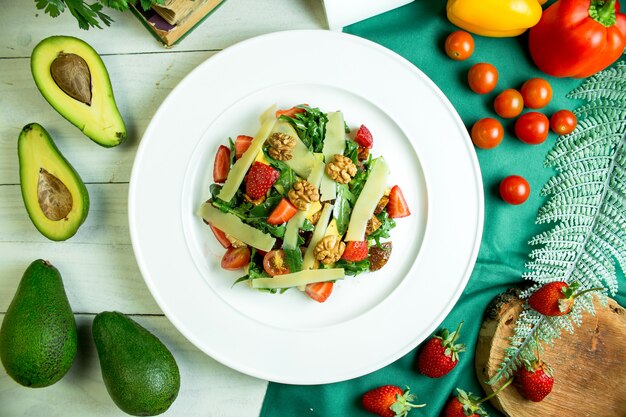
[32, 207]
[38, 339]
[139, 372]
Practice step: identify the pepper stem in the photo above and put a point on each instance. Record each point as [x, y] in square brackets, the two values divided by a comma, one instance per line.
[603, 12]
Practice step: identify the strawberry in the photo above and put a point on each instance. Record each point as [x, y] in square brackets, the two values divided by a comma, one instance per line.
[319, 291]
[465, 404]
[291, 112]
[440, 355]
[364, 137]
[355, 251]
[242, 143]
[260, 179]
[283, 211]
[389, 401]
[397, 206]
[534, 380]
[556, 298]
[221, 165]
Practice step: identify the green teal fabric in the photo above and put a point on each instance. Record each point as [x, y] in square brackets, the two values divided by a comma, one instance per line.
[417, 32]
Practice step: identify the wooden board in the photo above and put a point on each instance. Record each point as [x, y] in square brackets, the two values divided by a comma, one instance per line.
[589, 365]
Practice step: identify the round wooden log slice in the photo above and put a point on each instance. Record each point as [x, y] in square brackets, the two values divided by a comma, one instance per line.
[589, 365]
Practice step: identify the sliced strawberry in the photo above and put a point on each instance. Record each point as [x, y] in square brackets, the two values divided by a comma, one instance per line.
[364, 137]
[220, 236]
[236, 258]
[319, 291]
[282, 212]
[355, 251]
[290, 112]
[221, 166]
[260, 178]
[242, 143]
[397, 206]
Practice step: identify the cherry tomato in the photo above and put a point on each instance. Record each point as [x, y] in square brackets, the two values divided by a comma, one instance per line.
[532, 128]
[487, 133]
[482, 78]
[509, 103]
[514, 189]
[537, 93]
[274, 263]
[459, 45]
[236, 258]
[563, 122]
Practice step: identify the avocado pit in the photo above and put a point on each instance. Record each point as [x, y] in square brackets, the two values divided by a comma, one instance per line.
[71, 73]
[54, 197]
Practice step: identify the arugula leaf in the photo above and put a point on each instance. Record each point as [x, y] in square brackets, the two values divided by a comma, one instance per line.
[383, 231]
[255, 268]
[293, 258]
[265, 208]
[352, 151]
[342, 209]
[353, 268]
[233, 152]
[307, 226]
[287, 175]
[358, 182]
[310, 126]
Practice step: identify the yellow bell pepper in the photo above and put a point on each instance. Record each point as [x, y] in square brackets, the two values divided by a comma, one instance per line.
[495, 18]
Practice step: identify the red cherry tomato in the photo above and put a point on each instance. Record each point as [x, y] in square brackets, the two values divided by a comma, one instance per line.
[459, 45]
[537, 93]
[274, 263]
[482, 78]
[236, 258]
[487, 133]
[509, 103]
[514, 189]
[532, 128]
[563, 122]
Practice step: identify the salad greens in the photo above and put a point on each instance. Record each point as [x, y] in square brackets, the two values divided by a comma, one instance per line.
[310, 126]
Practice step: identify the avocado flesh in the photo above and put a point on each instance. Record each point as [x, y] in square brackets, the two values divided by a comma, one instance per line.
[38, 339]
[55, 197]
[138, 370]
[51, 63]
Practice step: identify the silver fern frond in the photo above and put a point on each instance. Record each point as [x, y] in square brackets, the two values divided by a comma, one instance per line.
[587, 207]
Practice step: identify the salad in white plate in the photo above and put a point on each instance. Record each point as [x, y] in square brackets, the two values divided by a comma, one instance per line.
[303, 203]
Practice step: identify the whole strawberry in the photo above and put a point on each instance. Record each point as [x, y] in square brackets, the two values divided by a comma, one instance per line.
[389, 401]
[465, 404]
[260, 179]
[439, 355]
[534, 380]
[556, 298]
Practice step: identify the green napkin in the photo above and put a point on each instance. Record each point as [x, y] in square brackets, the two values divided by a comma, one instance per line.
[417, 32]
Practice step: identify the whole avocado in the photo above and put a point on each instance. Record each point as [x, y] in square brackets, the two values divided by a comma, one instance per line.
[38, 339]
[139, 372]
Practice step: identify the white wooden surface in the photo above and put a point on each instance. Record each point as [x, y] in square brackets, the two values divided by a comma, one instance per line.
[98, 266]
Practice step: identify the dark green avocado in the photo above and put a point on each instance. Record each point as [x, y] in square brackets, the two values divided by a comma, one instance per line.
[55, 197]
[38, 339]
[139, 372]
[73, 79]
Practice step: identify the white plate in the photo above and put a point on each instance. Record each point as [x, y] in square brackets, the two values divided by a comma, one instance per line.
[369, 320]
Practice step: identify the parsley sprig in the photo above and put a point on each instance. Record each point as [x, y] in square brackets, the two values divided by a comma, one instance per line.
[89, 15]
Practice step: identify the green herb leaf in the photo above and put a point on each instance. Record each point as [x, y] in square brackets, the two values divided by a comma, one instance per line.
[353, 268]
[383, 231]
[287, 175]
[293, 258]
[310, 126]
[342, 209]
[352, 151]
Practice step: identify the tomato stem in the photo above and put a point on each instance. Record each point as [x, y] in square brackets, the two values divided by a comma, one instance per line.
[603, 12]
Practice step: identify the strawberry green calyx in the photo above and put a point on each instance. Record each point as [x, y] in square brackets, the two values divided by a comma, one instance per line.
[447, 341]
[404, 403]
[471, 403]
[537, 364]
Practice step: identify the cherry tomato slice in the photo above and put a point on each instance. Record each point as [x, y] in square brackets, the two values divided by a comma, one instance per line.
[487, 133]
[536, 92]
[459, 45]
[482, 78]
[274, 263]
[563, 122]
[236, 258]
[509, 103]
[514, 189]
[532, 128]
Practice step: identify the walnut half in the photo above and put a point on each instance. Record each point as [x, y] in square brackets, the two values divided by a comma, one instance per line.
[281, 146]
[329, 249]
[302, 194]
[341, 169]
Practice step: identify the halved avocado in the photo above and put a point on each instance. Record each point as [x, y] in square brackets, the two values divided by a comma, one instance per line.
[73, 79]
[54, 195]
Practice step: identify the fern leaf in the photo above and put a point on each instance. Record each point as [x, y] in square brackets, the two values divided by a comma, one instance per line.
[587, 210]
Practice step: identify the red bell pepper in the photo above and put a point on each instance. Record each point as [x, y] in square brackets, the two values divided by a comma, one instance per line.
[577, 38]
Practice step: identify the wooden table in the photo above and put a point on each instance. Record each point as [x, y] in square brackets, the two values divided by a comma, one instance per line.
[98, 266]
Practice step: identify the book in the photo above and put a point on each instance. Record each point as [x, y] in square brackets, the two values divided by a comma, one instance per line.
[171, 21]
